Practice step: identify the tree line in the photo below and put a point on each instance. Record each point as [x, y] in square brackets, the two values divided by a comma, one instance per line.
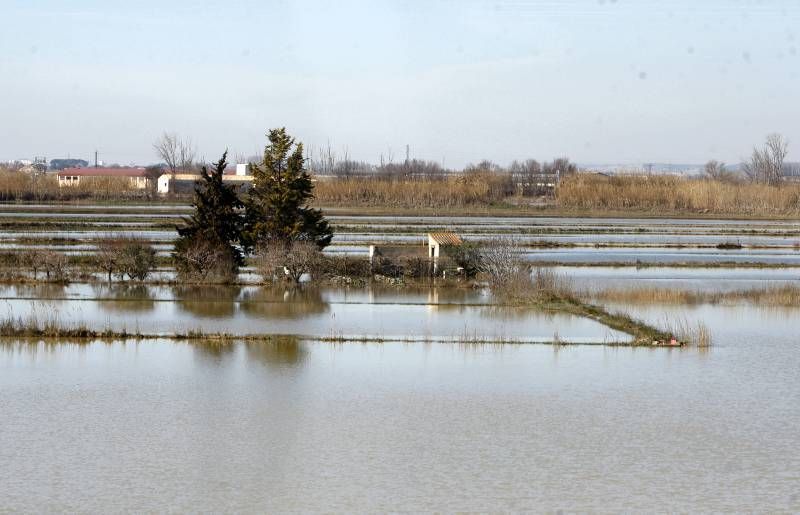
[766, 164]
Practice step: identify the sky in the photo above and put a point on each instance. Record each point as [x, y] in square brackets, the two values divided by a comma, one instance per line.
[598, 81]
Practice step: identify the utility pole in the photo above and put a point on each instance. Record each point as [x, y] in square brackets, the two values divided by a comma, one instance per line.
[95, 158]
[406, 154]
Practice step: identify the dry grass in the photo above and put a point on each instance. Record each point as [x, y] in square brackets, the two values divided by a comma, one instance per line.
[460, 191]
[697, 334]
[785, 295]
[21, 186]
[675, 194]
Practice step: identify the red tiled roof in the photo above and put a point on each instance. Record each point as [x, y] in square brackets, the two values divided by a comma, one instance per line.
[446, 238]
[103, 172]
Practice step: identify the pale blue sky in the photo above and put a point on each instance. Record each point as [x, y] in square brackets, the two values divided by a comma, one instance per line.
[459, 81]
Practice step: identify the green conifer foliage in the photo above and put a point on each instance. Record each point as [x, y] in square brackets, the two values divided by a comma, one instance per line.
[277, 205]
[207, 243]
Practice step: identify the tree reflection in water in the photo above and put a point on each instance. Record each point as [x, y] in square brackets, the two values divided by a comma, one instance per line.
[124, 297]
[209, 301]
[278, 351]
[38, 291]
[273, 352]
[214, 350]
[283, 302]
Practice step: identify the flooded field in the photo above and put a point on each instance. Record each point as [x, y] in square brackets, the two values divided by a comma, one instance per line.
[315, 426]
[596, 241]
[402, 315]
[433, 398]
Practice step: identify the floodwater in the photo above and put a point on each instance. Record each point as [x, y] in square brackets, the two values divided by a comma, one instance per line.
[544, 239]
[313, 426]
[429, 314]
[430, 418]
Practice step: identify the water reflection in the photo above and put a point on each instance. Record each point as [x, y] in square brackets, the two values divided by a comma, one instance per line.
[207, 301]
[35, 291]
[215, 350]
[284, 303]
[279, 351]
[125, 297]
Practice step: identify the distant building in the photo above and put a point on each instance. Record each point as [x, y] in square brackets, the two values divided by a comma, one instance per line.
[185, 182]
[137, 177]
[61, 164]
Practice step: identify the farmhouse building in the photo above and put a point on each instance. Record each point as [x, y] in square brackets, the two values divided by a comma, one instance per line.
[184, 182]
[435, 243]
[136, 177]
[437, 240]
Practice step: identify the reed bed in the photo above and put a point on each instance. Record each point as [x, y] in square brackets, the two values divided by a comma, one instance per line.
[459, 191]
[659, 194]
[785, 295]
[21, 186]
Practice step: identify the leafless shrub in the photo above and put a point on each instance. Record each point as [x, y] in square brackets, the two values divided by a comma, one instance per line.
[127, 257]
[56, 266]
[136, 259]
[501, 262]
[31, 259]
[346, 266]
[205, 261]
[278, 259]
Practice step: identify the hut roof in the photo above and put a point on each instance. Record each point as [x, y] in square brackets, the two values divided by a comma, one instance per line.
[446, 238]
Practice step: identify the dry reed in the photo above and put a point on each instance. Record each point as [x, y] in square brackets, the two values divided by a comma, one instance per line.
[458, 191]
[21, 186]
[785, 295]
[657, 194]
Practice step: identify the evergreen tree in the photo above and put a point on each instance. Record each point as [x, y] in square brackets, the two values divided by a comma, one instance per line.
[276, 207]
[207, 243]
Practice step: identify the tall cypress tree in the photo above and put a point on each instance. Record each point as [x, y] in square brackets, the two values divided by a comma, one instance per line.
[214, 229]
[276, 209]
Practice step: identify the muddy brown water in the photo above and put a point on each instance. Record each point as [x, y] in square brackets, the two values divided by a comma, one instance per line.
[311, 426]
[307, 425]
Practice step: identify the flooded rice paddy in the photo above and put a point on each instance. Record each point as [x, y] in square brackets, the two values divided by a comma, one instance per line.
[315, 426]
[596, 241]
[377, 398]
[424, 315]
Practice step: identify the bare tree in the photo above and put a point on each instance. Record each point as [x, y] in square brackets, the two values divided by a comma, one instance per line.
[177, 153]
[715, 170]
[766, 164]
[106, 256]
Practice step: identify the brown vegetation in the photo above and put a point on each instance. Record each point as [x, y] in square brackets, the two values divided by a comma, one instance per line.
[786, 295]
[668, 194]
[454, 191]
[21, 186]
[277, 259]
